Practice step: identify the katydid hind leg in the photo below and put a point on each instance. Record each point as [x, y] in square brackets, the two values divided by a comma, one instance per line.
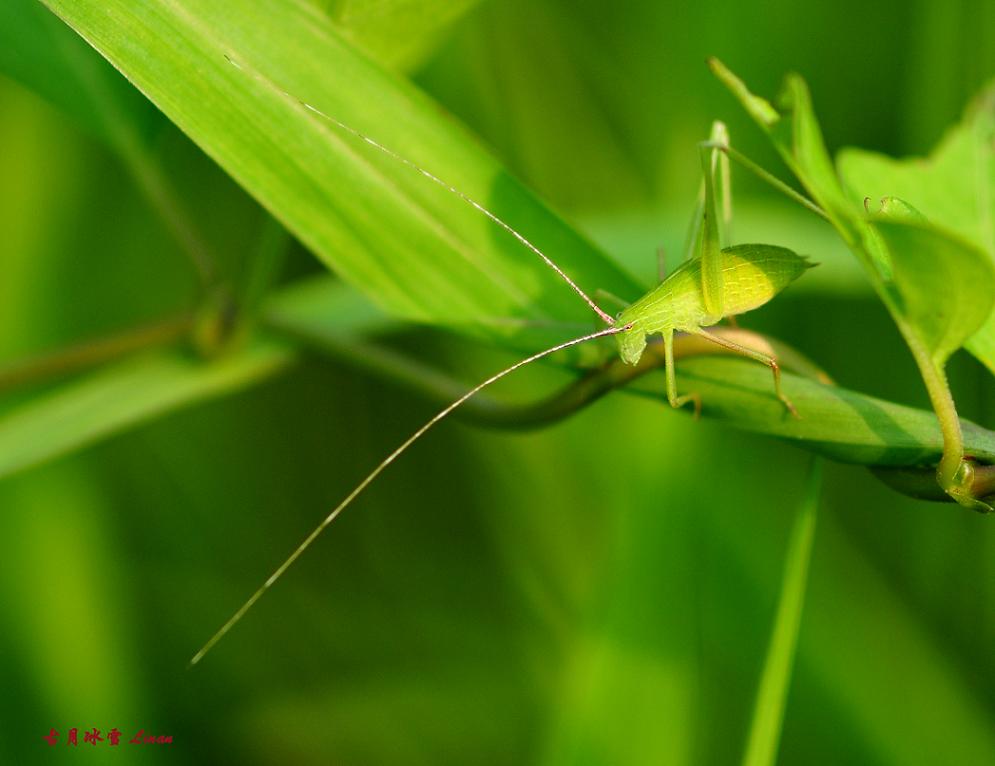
[759, 356]
[694, 226]
[709, 247]
[723, 184]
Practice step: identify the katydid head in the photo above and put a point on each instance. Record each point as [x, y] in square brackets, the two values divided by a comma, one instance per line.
[631, 343]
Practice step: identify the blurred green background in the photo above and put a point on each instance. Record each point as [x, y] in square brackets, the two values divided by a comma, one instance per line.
[600, 592]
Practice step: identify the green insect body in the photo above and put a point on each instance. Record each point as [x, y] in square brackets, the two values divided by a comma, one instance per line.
[751, 276]
[747, 277]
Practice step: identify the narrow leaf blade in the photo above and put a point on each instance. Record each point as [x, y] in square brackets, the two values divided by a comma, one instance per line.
[775, 680]
[414, 248]
[123, 395]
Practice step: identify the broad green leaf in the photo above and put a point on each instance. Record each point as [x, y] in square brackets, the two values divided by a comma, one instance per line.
[775, 680]
[840, 424]
[799, 138]
[982, 343]
[933, 273]
[411, 246]
[397, 33]
[954, 188]
[324, 306]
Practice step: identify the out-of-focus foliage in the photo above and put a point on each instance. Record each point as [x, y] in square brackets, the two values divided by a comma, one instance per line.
[599, 592]
[397, 33]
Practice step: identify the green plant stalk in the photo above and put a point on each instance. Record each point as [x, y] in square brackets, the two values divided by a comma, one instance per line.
[264, 266]
[91, 353]
[227, 315]
[950, 471]
[942, 400]
[565, 401]
[775, 680]
[953, 474]
[898, 442]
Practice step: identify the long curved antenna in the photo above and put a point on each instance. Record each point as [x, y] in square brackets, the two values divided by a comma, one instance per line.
[377, 471]
[606, 318]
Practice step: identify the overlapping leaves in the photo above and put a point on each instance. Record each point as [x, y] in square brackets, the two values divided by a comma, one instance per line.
[938, 286]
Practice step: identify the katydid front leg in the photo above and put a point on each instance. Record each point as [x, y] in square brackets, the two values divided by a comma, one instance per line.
[668, 358]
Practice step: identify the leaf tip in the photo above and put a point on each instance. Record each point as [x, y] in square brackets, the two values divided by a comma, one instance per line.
[759, 108]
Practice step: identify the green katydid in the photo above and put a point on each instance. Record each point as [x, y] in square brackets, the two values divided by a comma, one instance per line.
[713, 283]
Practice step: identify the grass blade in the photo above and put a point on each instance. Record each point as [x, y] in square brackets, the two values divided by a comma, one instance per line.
[775, 681]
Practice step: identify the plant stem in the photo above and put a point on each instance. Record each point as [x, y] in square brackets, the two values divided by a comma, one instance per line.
[946, 411]
[562, 403]
[264, 265]
[91, 353]
[921, 482]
